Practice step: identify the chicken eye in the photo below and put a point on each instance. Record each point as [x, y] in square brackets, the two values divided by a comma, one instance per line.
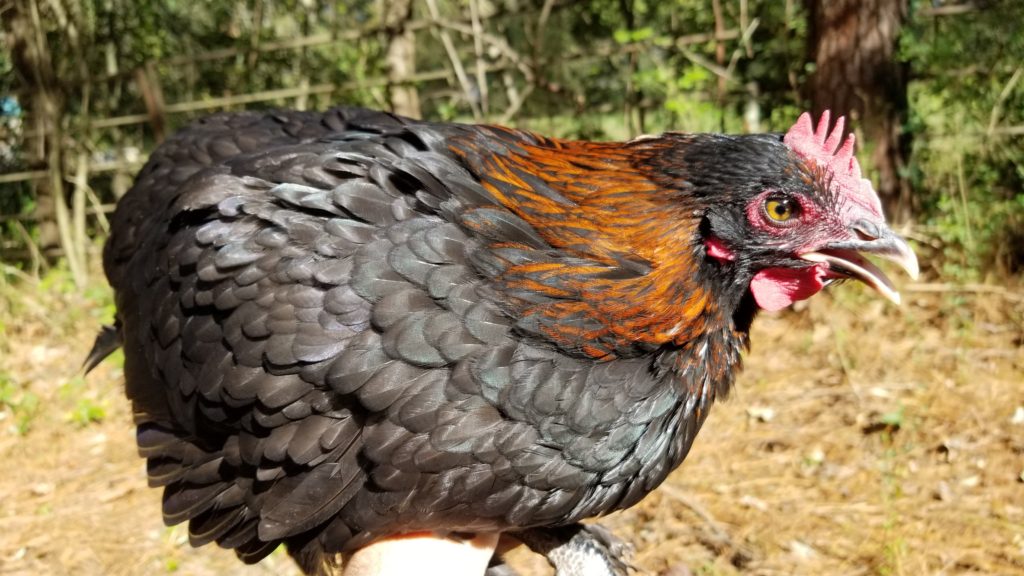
[782, 209]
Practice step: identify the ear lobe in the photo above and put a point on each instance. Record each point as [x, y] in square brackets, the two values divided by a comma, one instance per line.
[718, 250]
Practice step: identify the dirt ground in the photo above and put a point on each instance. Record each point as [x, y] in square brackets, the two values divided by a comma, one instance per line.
[862, 439]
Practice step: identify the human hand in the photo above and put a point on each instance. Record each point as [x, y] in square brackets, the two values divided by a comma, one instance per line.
[423, 554]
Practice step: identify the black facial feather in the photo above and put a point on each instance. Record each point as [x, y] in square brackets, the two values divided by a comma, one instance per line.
[722, 168]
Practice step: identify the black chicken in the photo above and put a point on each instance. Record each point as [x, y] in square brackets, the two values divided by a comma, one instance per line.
[344, 326]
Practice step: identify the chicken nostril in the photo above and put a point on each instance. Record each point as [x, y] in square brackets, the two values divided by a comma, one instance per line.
[866, 230]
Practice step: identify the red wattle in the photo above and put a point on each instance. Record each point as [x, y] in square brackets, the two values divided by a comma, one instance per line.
[776, 288]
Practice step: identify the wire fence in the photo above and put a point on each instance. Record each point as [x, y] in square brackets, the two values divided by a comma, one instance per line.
[481, 72]
[481, 67]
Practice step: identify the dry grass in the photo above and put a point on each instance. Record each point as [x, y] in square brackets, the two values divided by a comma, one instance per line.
[862, 439]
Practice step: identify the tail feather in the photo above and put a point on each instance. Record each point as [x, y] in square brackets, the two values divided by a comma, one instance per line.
[108, 340]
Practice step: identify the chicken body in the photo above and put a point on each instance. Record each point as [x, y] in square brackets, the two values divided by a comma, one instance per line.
[347, 325]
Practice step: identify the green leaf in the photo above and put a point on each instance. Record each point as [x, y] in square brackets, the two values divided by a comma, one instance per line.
[641, 34]
[892, 419]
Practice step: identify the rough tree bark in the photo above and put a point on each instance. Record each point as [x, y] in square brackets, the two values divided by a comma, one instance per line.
[41, 77]
[43, 104]
[401, 57]
[853, 44]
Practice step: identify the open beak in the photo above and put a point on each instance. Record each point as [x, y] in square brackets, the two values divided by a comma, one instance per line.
[844, 258]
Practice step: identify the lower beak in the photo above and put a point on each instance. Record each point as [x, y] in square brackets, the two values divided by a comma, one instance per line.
[844, 259]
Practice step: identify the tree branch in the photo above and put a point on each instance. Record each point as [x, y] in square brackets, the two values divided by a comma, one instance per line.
[453, 57]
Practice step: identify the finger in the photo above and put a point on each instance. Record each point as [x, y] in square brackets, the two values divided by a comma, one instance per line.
[424, 554]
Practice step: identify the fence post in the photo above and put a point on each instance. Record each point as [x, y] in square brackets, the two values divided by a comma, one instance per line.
[149, 85]
[401, 58]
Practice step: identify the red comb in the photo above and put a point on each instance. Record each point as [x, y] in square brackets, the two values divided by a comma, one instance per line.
[822, 147]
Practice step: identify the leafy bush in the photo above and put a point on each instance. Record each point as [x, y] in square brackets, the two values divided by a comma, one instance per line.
[967, 105]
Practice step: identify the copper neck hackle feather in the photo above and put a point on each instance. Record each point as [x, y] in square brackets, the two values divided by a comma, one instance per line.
[596, 204]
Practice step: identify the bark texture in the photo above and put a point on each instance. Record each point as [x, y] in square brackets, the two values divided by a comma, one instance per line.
[853, 44]
[41, 96]
[401, 58]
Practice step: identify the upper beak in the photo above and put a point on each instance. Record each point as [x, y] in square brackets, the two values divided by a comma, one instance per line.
[844, 258]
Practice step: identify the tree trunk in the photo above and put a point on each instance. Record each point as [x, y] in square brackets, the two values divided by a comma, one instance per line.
[61, 227]
[43, 108]
[853, 44]
[401, 57]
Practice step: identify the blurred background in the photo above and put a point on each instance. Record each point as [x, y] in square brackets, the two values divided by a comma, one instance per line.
[865, 439]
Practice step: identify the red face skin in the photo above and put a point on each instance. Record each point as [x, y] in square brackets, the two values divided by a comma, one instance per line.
[776, 288]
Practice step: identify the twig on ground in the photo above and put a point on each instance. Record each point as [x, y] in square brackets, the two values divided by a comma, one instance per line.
[940, 287]
[721, 537]
[453, 56]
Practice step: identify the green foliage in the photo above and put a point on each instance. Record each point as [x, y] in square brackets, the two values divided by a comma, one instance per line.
[58, 281]
[38, 321]
[893, 419]
[17, 404]
[84, 409]
[87, 412]
[605, 69]
[969, 170]
[626, 36]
